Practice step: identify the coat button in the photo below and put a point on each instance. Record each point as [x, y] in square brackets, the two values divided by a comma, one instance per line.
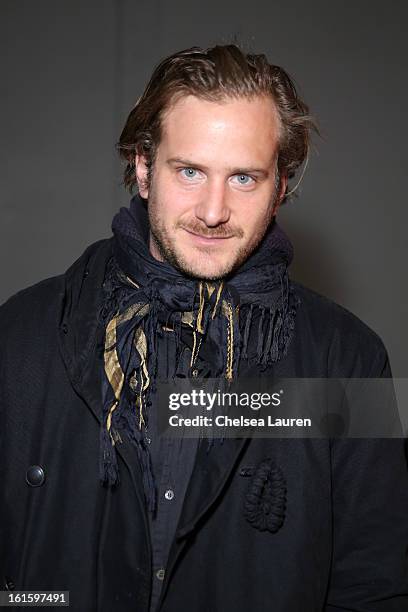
[9, 584]
[35, 476]
[160, 574]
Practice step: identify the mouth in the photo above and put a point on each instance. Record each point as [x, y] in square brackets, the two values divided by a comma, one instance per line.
[207, 240]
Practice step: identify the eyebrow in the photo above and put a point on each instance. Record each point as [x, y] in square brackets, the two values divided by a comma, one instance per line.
[238, 170]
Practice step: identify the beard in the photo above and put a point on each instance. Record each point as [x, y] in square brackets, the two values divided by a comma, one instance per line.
[203, 263]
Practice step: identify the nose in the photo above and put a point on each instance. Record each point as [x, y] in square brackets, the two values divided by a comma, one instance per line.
[213, 208]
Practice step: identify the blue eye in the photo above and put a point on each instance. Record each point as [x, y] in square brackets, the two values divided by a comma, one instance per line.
[189, 173]
[244, 179]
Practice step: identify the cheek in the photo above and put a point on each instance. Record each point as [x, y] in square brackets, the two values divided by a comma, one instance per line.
[170, 203]
[253, 213]
[173, 198]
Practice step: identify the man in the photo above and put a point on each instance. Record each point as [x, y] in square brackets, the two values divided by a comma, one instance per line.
[193, 284]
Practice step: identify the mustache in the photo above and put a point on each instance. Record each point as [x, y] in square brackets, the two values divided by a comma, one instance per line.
[221, 231]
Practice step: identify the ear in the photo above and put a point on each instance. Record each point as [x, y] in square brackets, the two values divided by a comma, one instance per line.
[141, 175]
[283, 183]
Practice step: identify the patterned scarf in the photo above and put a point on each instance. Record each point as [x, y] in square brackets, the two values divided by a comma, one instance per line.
[255, 304]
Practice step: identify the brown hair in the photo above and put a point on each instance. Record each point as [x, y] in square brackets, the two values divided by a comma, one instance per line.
[216, 74]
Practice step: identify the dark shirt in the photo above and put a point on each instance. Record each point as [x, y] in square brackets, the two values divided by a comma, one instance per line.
[172, 461]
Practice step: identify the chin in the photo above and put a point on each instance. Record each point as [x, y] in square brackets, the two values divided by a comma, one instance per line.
[210, 275]
[205, 271]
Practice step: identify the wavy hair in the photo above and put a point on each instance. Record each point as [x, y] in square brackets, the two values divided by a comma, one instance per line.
[216, 74]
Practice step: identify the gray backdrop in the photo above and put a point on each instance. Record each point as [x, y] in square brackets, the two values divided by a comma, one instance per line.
[73, 69]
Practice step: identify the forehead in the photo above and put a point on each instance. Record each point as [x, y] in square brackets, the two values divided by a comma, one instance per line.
[235, 131]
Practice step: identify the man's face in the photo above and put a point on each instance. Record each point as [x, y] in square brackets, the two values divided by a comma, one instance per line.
[212, 194]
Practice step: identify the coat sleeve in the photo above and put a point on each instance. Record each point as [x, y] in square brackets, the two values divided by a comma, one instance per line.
[369, 570]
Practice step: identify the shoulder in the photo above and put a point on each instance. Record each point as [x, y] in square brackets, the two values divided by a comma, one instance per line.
[327, 314]
[28, 303]
[40, 303]
[353, 348]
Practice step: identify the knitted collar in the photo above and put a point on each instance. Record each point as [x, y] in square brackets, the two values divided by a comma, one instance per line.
[255, 304]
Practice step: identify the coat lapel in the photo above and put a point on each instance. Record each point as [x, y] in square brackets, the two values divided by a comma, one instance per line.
[81, 344]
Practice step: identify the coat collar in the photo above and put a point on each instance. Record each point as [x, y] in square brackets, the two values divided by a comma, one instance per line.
[79, 319]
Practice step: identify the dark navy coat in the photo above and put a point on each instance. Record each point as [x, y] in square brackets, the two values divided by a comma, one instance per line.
[343, 544]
